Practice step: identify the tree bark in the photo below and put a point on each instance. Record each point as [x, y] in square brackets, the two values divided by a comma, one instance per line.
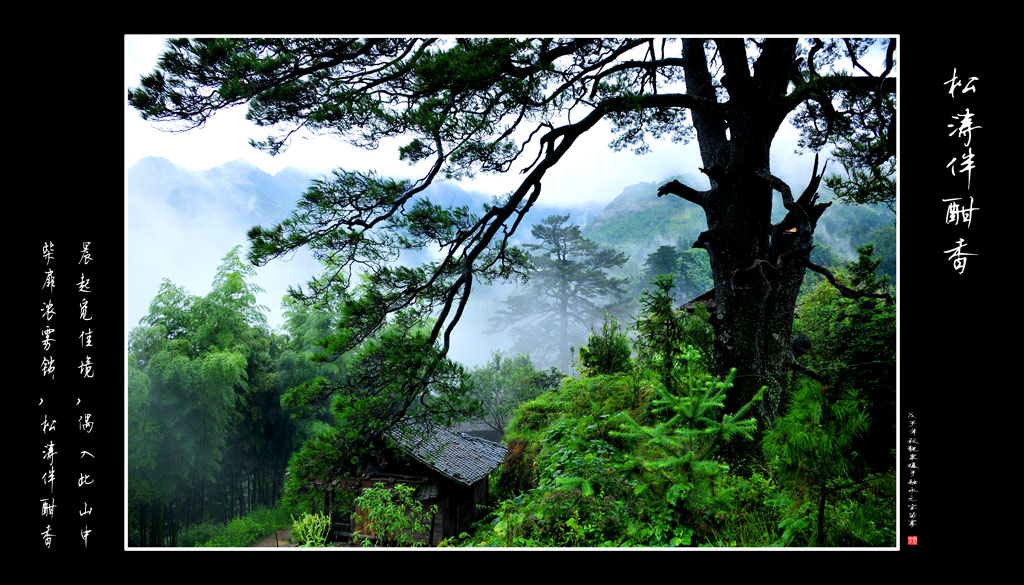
[174, 522]
[757, 267]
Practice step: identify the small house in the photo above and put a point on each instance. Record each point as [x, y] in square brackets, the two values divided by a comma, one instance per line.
[446, 468]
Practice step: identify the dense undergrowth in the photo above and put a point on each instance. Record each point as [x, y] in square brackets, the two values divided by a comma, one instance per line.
[630, 454]
[243, 531]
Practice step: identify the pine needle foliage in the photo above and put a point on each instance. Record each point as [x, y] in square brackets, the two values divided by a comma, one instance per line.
[662, 331]
[677, 452]
[812, 444]
[853, 347]
[814, 439]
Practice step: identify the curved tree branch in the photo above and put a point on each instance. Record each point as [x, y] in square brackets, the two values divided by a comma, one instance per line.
[845, 290]
[688, 193]
[819, 87]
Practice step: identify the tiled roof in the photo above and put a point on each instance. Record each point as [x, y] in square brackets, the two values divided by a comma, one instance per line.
[707, 299]
[457, 456]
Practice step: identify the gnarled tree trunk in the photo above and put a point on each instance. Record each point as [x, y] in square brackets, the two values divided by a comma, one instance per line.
[757, 267]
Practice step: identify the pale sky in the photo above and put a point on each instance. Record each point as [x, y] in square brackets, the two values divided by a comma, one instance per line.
[225, 138]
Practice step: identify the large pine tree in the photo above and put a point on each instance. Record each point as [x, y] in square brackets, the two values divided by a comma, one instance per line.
[568, 293]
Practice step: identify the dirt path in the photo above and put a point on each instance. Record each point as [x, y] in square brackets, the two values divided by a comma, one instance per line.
[281, 538]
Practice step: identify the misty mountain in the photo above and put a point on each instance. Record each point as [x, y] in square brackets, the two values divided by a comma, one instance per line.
[180, 223]
[637, 221]
[240, 195]
[236, 188]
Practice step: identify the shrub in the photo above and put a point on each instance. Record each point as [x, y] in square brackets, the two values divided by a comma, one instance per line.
[607, 353]
[391, 515]
[244, 531]
[311, 530]
[536, 414]
[517, 472]
[238, 533]
[198, 534]
[601, 394]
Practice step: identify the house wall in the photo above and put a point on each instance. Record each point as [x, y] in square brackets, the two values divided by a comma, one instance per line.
[480, 490]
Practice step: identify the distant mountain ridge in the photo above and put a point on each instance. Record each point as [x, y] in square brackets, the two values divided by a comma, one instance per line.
[254, 195]
[260, 198]
[637, 221]
[179, 223]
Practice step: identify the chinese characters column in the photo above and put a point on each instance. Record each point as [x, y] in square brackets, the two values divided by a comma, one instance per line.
[85, 371]
[959, 209]
[65, 496]
[49, 373]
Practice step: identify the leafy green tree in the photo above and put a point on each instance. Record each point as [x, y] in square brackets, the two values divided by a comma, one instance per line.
[568, 293]
[307, 371]
[503, 383]
[883, 241]
[661, 332]
[689, 267]
[664, 260]
[189, 364]
[608, 352]
[145, 485]
[694, 273]
[664, 332]
[190, 401]
[488, 105]
[395, 376]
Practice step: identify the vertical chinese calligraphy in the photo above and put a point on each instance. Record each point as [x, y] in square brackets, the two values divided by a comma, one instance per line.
[962, 127]
[48, 313]
[67, 455]
[86, 370]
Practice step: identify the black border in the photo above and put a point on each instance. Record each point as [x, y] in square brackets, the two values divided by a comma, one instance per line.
[944, 318]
